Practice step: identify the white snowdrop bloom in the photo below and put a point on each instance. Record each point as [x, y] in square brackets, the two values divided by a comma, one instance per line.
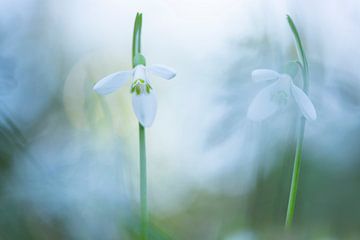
[270, 99]
[143, 96]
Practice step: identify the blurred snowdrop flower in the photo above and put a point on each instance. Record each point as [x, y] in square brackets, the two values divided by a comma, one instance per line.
[143, 96]
[275, 96]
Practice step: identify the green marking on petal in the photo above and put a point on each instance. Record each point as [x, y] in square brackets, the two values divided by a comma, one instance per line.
[138, 89]
[148, 88]
[140, 86]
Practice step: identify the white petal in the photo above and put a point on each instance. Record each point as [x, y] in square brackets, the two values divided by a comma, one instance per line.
[260, 75]
[262, 106]
[162, 71]
[304, 102]
[139, 72]
[112, 82]
[145, 106]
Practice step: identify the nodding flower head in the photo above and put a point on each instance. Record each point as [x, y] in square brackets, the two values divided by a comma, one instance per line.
[270, 99]
[144, 98]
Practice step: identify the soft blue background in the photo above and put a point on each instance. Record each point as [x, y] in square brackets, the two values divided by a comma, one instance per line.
[68, 157]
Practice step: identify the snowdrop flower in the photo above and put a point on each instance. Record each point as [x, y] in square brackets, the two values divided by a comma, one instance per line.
[143, 96]
[270, 99]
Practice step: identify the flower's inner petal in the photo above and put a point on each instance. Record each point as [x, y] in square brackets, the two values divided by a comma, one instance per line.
[145, 106]
[140, 84]
[140, 73]
[261, 75]
[282, 93]
[140, 87]
[304, 103]
[162, 71]
[280, 97]
[263, 105]
[112, 82]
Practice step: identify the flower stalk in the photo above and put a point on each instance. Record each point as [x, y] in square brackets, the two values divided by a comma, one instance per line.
[138, 59]
[143, 101]
[143, 183]
[300, 127]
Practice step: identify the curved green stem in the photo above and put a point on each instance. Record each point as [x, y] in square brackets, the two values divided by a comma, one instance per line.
[301, 55]
[136, 60]
[300, 128]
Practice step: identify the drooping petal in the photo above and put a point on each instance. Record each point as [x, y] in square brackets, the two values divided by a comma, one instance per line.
[263, 105]
[261, 75]
[162, 71]
[304, 102]
[112, 82]
[145, 106]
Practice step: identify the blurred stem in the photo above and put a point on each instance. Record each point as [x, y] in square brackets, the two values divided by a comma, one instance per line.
[295, 174]
[301, 55]
[136, 52]
[300, 128]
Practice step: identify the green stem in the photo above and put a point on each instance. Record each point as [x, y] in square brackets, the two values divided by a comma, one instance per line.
[136, 60]
[301, 55]
[295, 174]
[136, 46]
[300, 129]
[143, 184]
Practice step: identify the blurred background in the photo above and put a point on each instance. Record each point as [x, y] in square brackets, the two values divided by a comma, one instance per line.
[69, 157]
